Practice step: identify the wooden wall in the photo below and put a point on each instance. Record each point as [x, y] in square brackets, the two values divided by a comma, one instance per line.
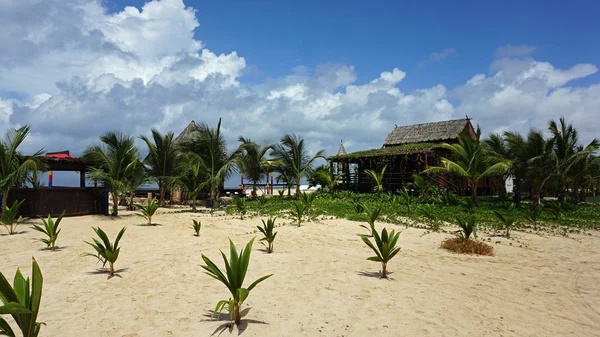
[44, 201]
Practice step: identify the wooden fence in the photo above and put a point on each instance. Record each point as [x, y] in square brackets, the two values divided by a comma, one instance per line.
[53, 201]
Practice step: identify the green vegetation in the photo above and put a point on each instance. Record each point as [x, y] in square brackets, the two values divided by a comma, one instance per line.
[240, 205]
[50, 229]
[372, 214]
[9, 218]
[22, 302]
[161, 161]
[196, 226]
[148, 210]
[463, 244]
[385, 248]
[236, 268]
[406, 199]
[106, 252]
[508, 218]
[267, 230]
[297, 211]
[376, 178]
[467, 227]
[307, 200]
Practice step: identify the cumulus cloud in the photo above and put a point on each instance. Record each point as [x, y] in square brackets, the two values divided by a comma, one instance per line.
[75, 71]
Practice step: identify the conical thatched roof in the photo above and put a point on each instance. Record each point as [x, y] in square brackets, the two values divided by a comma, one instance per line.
[427, 132]
[341, 150]
[190, 131]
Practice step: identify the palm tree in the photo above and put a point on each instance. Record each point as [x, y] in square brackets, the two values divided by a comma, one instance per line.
[498, 151]
[294, 159]
[137, 178]
[325, 176]
[160, 161]
[190, 177]
[211, 149]
[114, 161]
[565, 151]
[14, 167]
[252, 161]
[471, 162]
[531, 160]
[376, 178]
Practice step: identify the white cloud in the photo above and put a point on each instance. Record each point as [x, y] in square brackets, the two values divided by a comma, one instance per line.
[439, 56]
[82, 72]
[514, 51]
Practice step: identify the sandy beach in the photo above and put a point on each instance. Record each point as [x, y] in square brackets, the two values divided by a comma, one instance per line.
[322, 284]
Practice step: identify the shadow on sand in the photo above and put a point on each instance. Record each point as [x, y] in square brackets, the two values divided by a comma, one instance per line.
[229, 325]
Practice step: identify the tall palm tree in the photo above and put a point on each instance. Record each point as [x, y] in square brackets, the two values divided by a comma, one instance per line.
[325, 176]
[160, 161]
[190, 177]
[469, 161]
[14, 167]
[566, 152]
[294, 159]
[252, 161]
[531, 159]
[498, 151]
[210, 147]
[137, 178]
[115, 159]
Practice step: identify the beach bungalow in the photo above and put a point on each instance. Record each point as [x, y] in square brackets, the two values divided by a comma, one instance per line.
[407, 150]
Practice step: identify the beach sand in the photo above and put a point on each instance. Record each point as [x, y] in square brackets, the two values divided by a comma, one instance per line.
[322, 283]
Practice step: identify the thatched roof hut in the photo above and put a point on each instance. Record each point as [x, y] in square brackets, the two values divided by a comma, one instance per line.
[444, 131]
[190, 131]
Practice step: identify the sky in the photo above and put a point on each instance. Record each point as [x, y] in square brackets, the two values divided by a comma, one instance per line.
[325, 70]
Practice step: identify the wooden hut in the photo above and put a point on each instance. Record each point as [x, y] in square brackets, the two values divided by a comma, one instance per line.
[407, 150]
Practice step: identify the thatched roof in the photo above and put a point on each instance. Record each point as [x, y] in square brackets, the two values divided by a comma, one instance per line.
[342, 149]
[190, 131]
[388, 151]
[427, 132]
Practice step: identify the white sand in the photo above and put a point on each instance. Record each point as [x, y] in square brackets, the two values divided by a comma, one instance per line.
[323, 285]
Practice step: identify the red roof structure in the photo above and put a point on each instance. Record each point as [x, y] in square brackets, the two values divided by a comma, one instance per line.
[61, 154]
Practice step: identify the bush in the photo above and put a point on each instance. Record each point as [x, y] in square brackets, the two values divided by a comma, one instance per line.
[240, 206]
[467, 246]
[297, 212]
[21, 302]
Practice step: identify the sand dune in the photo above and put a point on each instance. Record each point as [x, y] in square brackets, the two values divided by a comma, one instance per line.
[323, 284]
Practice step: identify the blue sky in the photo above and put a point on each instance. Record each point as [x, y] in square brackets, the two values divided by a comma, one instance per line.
[331, 70]
[276, 36]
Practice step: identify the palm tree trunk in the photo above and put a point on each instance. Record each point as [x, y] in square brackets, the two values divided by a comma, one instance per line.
[516, 191]
[161, 189]
[130, 206]
[563, 189]
[297, 187]
[194, 204]
[474, 193]
[115, 198]
[4, 201]
[253, 189]
[383, 270]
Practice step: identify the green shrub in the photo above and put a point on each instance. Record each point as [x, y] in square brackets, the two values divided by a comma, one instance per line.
[10, 219]
[106, 252]
[307, 200]
[406, 199]
[22, 302]
[196, 226]
[372, 215]
[297, 212]
[267, 230]
[467, 226]
[385, 248]
[236, 268]
[240, 206]
[50, 229]
[148, 210]
[533, 214]
[508, 218]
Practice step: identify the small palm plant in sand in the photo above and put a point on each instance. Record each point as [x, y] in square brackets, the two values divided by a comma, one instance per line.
[308, 200]
[106, 252]
[50, 229]
[236, 268]
[148, 209]
[196, 226]
[10, 219]
[377, 179]
[267, 230]
[508, 218]
[240, 206]
[372, 214]
[463, 243]
[22, 302]
[428, 212]
[406, 199]
[385, 248]
[297, 212]
[533, 214]
[262, 202]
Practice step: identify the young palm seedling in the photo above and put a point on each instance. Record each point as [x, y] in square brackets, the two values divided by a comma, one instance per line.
[533, 214]
[297, 212]
[148, 210]
[555, 208]
[267, 230]
[236, 268]
[468, 227]
[463, 243]
[106, 252]
[196, 226]
[240, 206]
[406, 199]
[428, 212]
[262, 201]
[50, 229]
[307, 200]
[372, 215]
[22, 302]
[385, 248]
[10, 219]
[508, 218]
[377, 179]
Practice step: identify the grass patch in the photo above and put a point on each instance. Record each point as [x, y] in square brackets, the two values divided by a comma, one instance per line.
[467, 246]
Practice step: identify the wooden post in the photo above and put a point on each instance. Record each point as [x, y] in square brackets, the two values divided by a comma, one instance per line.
[81, 178]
